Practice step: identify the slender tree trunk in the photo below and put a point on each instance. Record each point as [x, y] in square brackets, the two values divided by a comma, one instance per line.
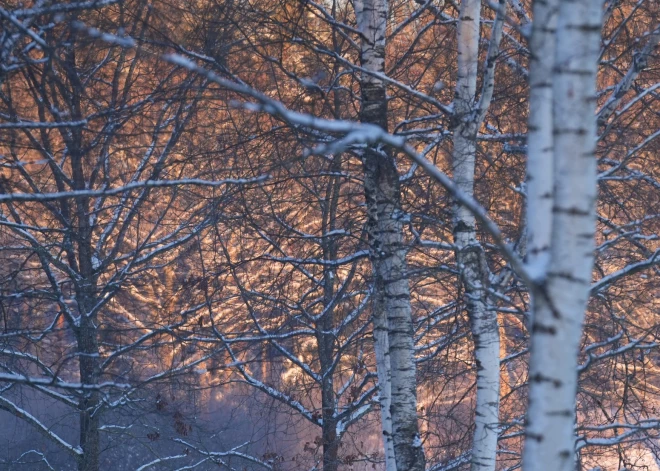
[89, 420]
[88, 350]
[392, 311]
[329, 427]
[561, 296]
[331, 439]
[470, 255]
[325, 337]
[86, 331]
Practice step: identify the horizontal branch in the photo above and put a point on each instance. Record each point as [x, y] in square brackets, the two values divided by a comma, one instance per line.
[38, 197]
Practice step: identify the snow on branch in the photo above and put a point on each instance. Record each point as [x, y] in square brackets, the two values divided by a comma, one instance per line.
[629, 270]
[629, 435]
[233, 453]
[7, 405]
[361, 133]
[21, 379]
[39, 197]
[42, 125]
[60, 7]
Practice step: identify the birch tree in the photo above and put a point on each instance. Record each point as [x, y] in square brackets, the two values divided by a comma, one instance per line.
[470, 256]
[322, 94]
[503, 139]
[562, 287]
[393, 329]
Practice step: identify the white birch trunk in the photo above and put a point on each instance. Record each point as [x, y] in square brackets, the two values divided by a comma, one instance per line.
[383, 368]
[540, 143]
[393, 328]
[561, 297]
[471, 259]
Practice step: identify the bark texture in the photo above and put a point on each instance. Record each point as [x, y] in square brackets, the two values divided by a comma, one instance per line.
[540, 142]
[470, 256]
[393, 328]
[561, 295]
[88, 348]
[325, 336]
[86, 288]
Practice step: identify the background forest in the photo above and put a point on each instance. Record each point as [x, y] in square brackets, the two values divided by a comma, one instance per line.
[330, 235]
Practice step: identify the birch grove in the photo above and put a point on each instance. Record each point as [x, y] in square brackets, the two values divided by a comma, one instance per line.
[304, 235]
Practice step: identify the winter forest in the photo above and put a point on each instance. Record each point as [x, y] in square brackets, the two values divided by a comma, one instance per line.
[332, 235]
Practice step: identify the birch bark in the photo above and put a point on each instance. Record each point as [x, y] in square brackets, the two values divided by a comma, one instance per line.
[470, 256]
[393, 328]
[561, 292]
[539, 138]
